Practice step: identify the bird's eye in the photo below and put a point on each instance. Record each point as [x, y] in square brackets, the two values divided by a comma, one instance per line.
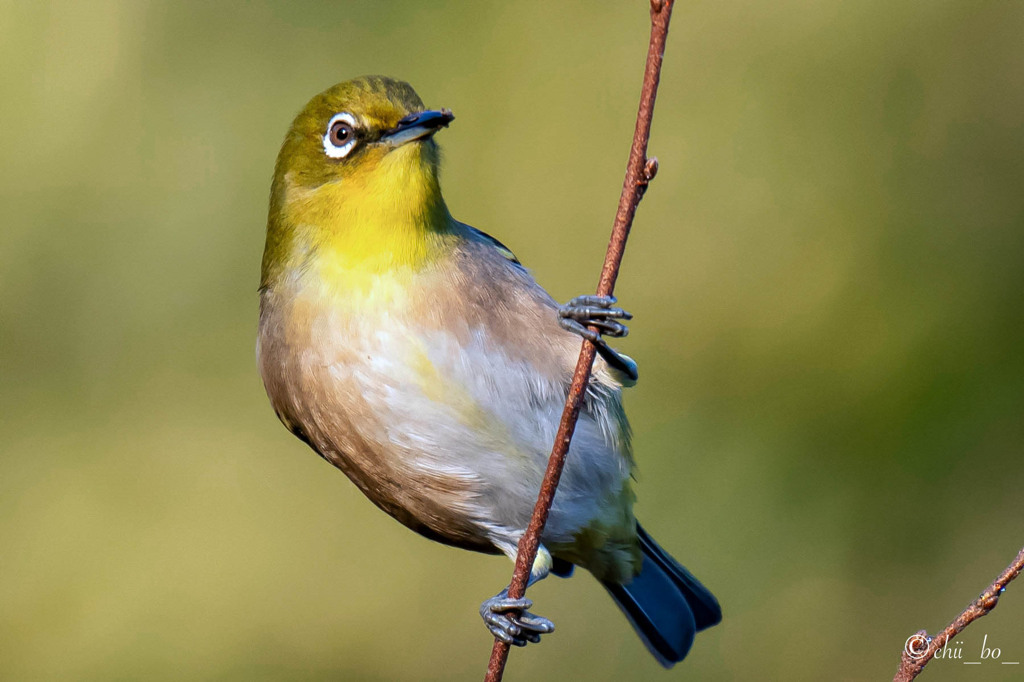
[340, 133]
[340, 137]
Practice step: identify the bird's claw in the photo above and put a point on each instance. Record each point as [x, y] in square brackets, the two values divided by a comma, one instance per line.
[509, 621]
[594, 311]
[584, 312]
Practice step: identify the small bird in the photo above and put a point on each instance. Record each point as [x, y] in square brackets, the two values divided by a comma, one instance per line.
[418, 355]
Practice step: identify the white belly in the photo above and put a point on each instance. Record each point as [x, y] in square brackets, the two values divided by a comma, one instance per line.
[443, 412]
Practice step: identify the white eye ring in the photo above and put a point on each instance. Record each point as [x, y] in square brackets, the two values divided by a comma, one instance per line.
[340, 123]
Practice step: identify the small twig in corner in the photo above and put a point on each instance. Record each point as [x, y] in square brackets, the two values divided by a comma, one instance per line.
[920, 648]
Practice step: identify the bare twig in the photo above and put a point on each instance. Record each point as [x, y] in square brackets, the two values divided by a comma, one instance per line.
[920, 648]
[639, 172]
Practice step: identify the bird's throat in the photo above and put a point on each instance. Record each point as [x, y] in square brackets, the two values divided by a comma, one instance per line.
[390, 218]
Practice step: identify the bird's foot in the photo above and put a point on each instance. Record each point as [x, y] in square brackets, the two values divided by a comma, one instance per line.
[509, 621]
[593, 311]
[583, 312]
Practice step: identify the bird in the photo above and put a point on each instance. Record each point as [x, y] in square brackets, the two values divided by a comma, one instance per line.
[421, 358]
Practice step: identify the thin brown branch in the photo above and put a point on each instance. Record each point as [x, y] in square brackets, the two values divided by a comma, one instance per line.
[639, 172]
[920, 648]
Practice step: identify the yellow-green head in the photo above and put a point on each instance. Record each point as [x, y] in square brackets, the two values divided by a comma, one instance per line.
[356, 182]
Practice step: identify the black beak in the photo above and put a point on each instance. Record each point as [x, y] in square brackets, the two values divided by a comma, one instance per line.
[418, 125]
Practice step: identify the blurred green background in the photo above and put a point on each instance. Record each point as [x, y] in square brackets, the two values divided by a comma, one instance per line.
[827, 278]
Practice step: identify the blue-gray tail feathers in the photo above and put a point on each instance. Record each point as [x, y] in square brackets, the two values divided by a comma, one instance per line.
[666, 605]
